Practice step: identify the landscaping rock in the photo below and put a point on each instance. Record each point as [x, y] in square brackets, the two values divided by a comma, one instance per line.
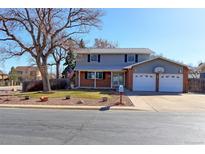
[14, 89]
[44, 98]
[7, 99]
[27, 97]
[81, 102]
[104, 99]
[67, 97]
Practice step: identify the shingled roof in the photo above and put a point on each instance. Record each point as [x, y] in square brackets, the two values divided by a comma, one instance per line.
[115, 51]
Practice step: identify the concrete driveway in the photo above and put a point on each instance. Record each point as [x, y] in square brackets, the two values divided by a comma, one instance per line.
[9, 88]
[168, 102]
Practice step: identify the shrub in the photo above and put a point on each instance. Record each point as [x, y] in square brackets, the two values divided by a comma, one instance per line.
[37, 85]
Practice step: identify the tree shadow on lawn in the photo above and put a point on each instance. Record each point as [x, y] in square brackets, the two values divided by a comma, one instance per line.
[101, 91]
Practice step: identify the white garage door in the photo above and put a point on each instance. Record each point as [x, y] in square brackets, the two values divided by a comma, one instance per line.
[171, 82]
[144, 82]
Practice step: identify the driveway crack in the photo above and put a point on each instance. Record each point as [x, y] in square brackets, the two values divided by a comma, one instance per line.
[151, 106]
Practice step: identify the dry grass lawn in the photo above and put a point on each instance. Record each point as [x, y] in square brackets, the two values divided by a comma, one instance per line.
[87, 94]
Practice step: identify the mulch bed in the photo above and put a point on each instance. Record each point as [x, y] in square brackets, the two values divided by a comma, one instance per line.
[113, 101]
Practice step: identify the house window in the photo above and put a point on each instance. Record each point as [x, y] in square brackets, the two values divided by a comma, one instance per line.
[90, 75]
[130, 58]
[93, 57]
[19, 72]
[99, 75]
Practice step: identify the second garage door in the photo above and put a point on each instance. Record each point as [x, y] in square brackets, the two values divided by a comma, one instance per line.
[144, 82]
[171, 82]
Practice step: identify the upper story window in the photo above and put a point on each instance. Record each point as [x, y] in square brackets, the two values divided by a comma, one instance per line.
[94, 58]
[19, 72]
[130, 58]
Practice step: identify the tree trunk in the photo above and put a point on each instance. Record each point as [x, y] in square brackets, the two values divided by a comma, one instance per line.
[57, 70]
[45, 78]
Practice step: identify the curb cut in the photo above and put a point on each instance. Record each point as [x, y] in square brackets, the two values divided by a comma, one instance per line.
[99, 108]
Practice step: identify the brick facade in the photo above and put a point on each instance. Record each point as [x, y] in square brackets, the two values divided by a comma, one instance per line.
[129, 79]
[76, 79]
[185, 79]
[105, 82]
[85, 82]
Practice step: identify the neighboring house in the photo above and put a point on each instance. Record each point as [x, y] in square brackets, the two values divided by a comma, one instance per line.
[3, 76]
[28, 73]
[51, 76]
[131, 67]
[201, 69]
[193, 73]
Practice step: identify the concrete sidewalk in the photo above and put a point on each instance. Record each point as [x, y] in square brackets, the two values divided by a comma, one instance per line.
[9, 88]
[101, 108]
[140, 103]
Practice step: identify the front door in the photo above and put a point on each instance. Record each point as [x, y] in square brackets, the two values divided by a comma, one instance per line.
[117, 79]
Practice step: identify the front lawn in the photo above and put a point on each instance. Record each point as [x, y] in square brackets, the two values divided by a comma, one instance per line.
[87, 94]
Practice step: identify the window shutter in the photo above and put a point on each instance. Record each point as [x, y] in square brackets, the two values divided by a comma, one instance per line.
[88, 57]
[125, 57]
[86, 75]
[99, 58]
[136, 58]
[103, 75]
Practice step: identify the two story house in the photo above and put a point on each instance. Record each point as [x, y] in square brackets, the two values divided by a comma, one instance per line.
[3, 77]
[201, 69]
[28, 73]
[132, 67]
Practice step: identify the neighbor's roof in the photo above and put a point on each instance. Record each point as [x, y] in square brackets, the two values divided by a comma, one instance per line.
[159, 57]
[99, 68]
[115, 51]
[2, 73]
[26, 68]
[201, 66]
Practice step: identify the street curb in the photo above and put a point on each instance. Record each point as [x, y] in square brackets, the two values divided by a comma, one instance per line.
[101, 108]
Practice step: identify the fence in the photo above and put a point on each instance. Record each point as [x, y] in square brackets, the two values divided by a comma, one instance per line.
[37, 85]
[197, 85]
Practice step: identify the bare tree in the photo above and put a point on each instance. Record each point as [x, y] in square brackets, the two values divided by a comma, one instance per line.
[103, 43]
[59, 54]
[194, 72]
[39, 31]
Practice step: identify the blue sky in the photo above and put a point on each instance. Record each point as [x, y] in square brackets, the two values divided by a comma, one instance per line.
[178, 34]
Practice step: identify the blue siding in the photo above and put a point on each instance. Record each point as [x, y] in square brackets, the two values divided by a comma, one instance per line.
[202, 75]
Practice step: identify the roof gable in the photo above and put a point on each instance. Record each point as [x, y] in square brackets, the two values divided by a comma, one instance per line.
[159, 57]
[26, 68]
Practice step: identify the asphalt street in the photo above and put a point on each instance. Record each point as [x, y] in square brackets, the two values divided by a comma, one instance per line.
[41, 126]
